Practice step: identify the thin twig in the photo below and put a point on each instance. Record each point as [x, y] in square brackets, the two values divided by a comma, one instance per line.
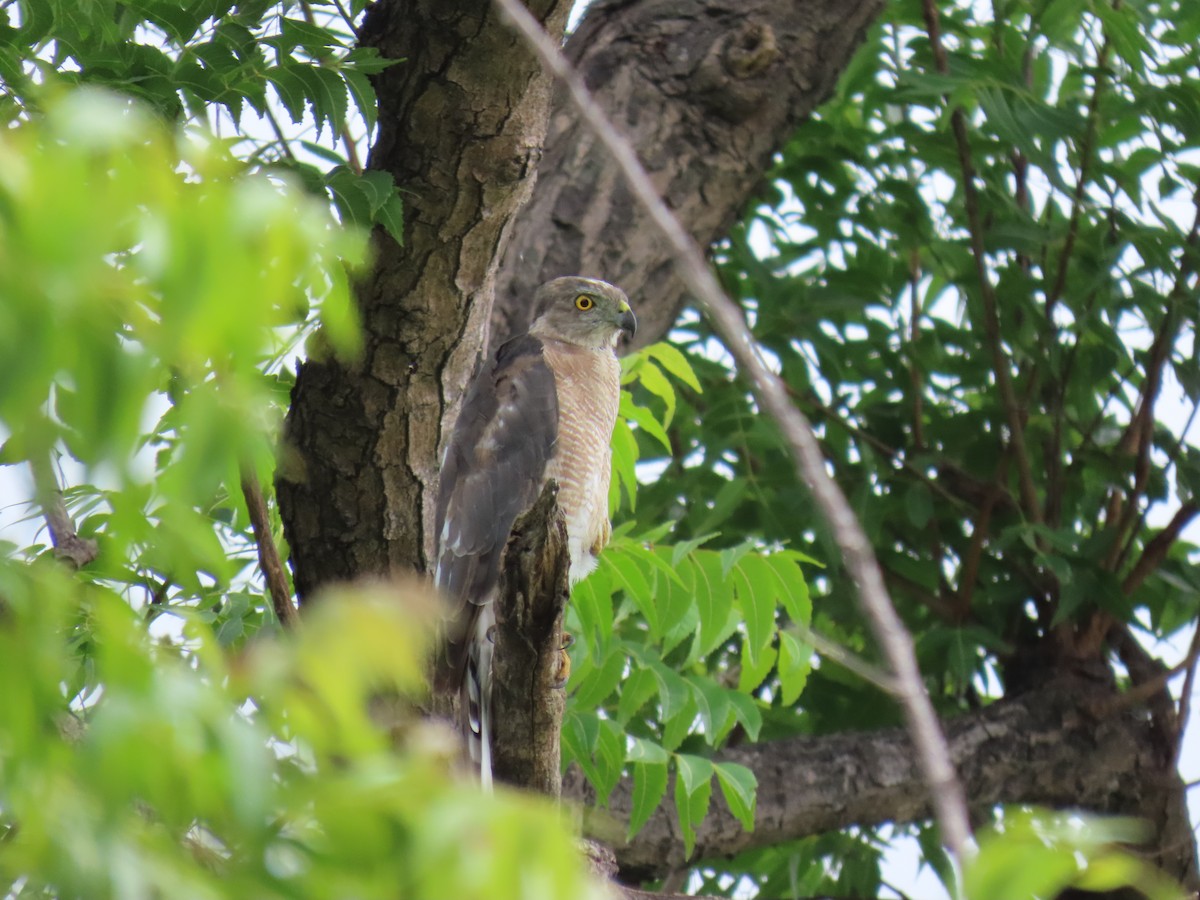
[1185, 698]
[280, 136]
[268, 554]
[969, 573]
[933, 754]
[848, 660]
[1139, 436]
[833, 417]
[914, 333]
[68, 545]
[1146, 689]
[1086, 153]
[346, 17]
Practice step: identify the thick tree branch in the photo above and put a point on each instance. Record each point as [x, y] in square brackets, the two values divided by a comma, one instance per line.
[948, 800]
[1044, 748]
[527, 668]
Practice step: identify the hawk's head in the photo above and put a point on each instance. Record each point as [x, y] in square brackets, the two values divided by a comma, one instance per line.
[583, 311]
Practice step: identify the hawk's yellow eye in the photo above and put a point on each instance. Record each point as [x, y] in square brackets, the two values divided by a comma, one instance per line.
[584, 302]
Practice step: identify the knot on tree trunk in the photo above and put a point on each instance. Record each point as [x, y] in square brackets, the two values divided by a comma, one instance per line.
[527, 694]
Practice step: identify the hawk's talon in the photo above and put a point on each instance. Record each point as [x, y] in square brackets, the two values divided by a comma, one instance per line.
[564, 661]
[491, 634]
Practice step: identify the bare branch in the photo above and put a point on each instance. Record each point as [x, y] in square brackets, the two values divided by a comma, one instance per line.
[932, 753]
[68, 545]
[268, 554]
[969, 573]
[848, 660]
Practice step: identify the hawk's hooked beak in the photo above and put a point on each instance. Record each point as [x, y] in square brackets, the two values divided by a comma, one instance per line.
[628, 322]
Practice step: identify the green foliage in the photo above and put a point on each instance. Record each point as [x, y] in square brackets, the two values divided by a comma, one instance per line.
[149, 289]
[861, 272]
[158, 277]
[266, 775]
[677, 641]
[1039, 854]
[206, 61]
[148, 286]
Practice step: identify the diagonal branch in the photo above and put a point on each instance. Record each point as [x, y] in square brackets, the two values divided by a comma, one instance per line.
[1156, 548]
[932, 755]
[68, 545]
[268, 554]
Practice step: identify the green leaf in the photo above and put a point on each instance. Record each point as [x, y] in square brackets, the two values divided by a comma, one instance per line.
[363, 94]
[674, 362]
[626, 575]
[646, 752]
[636, 692]
[918, 504]
[714, 600]
[591, 605]
[291, 90]
[795, 664]
[716, 712]
[793, 588]
[391, 217]
[740, 790]
[652, 379]
[649, 788]
[747, 711]
[593, 690]
[758, 596]
[624, 466]
[693, 790]
[644, 419]
[609, 758]
[754, 671]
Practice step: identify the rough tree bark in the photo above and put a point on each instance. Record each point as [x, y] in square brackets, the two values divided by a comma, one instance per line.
[527, 672]
[461, 126]
[708, 91]
[1062, 746]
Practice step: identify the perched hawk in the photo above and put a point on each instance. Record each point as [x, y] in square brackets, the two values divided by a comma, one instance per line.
[545, 408]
